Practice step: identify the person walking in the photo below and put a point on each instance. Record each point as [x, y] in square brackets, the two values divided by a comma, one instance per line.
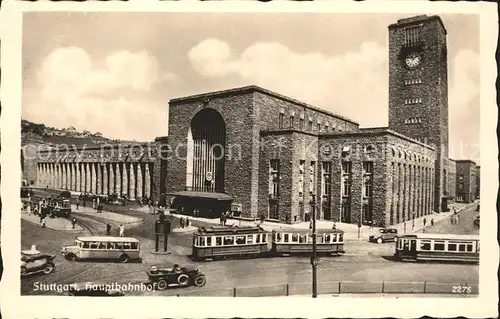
[187, 222]
[77, 203]
[73, 223]
[181, 221]
[432, 222]
[43, 221]
[425, 221]
[334, 226]
[108, 229]
[122, 231]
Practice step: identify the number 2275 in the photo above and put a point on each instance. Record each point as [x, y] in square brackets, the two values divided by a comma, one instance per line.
[461, 289]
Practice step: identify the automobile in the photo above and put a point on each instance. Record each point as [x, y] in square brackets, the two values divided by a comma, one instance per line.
[92, 289]
[163, 277]
[384, 234]
[33, 261]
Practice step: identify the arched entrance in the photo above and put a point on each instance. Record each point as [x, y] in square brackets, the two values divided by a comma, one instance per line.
[204, 195]
[206, 144]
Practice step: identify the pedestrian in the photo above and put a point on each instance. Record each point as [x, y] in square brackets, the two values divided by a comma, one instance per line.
[181, 221]
[28, 209]
[432, 222]
[334, 226]
[93, 203]
[73, 223]
[456, 219]
[222, 219]
[43, 222]
[310, 224]
[122, 230]
[425, 221]
[451, 219]
[108, 229]
[77, 203]
[187, 222]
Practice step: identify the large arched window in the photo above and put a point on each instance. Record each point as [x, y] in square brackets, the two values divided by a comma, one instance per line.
[205, 152]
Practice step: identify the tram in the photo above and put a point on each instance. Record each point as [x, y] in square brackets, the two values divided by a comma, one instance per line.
[223, 241]
[293, 242]
[438, 247]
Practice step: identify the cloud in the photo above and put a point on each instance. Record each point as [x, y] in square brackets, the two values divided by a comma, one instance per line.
[336, 83]
[353, 84]
[75, 90]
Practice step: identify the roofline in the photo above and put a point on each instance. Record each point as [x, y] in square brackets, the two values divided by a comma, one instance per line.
[377, 131]
[285, 132]
[465, 161]
[403, 22]
[97, 147]
[254, 88]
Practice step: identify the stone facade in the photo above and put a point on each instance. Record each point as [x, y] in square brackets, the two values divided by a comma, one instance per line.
[452, 178]
[122, 169]
[466, 181]
[478, 181]
[418, 92]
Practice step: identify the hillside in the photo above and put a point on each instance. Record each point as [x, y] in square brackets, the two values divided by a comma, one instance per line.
[35, 133]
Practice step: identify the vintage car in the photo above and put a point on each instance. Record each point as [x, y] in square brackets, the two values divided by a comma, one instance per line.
[162, 277]
[92, 289]
[33, 261]
[384, 234]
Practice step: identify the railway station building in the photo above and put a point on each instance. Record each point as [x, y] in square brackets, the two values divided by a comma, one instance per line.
[258, 153]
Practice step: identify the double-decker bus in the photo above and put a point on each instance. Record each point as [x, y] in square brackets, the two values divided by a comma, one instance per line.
[294, 242]
[438, 247]
[222, 241]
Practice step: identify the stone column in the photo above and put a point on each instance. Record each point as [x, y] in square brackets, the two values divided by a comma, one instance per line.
[111, 178]
[98, 178]
[70, 176]
[87, 177]
[131, 182]
[126, 177]
[73, 176]
[105, 179]
[93, 184]
[78, 177]
[63, 176]
[118, 177]
[51, 175]
[147, 181]
[140, 191]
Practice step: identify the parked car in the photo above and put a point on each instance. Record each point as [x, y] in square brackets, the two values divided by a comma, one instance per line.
[89, 289]
[162, 277]
[384, 234]
[33, 261]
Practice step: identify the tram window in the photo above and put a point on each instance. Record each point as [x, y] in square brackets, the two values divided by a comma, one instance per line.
[278, 237]
[295, 238]
[469, 247]
[111, 246]
[249, 239]
[209, 241]
[321, 239]
[286, 238]
[461, 247]
[228, 240]
[340, 238]
[425, 245]
[328, 238]
[126, 245]
[102, 245]
[439, 246]
[264, 238]
[218, 241]
[309, 239]
[133, 245]
[201, 241]
[452, 247]
[240, 240]
[119, 245]
[94, 245]
[86, 245]
[257, 239]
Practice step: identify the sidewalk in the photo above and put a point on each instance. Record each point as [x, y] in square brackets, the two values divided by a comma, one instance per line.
[114, 217]
[61, 224]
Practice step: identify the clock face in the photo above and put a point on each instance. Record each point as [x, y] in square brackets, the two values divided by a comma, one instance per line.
[412, 60]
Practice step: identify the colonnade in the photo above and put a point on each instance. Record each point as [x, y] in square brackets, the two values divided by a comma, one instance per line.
[131, 179]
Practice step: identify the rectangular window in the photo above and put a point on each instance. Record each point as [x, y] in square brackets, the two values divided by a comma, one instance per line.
[240, 240]
[461, 247]
[209, 241]
[328, 238]
[301, 123]
[286, 237]
[218, 241]
[346, 189]
[274, 175]
[312, 173]
[319, 127]
[257, 239]
[469, 247]
[228, 240]
[310, 125]
[280, 120]
[291, 121]
[452, 247]
[439, 246]
[368, 167]
[346, 167]
[295, 238]
[264, 238]
[425, 245]
[326, 187]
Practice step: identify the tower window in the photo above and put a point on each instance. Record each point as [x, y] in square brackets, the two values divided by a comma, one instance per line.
[280, 120]
[291, 121]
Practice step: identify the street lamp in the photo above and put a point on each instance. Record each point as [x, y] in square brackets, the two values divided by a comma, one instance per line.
[314, 260]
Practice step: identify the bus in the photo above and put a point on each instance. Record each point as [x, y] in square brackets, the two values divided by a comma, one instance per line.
[294, 242]
[123, 249]
[229, 241]
[438, 247]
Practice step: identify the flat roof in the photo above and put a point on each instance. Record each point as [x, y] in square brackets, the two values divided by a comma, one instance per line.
[376, 131]
[108, 239]
[442, 236]
[416, 19]
[254, 88]
[465, 161]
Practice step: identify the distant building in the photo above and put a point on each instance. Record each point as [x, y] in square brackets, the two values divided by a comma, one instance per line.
[466, 181]
[478, 181]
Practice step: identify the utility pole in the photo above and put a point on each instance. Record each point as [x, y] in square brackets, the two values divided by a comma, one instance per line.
[314, 260]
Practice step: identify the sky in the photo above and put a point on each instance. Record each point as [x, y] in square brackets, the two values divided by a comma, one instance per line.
[114, 73]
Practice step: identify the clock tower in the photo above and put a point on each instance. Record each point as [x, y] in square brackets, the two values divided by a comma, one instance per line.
[418, 89]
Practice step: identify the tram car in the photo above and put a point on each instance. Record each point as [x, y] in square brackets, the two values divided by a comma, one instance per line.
[59, 207]
[438, 247]
[294, 242]
[223, 241]
[216, 242]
